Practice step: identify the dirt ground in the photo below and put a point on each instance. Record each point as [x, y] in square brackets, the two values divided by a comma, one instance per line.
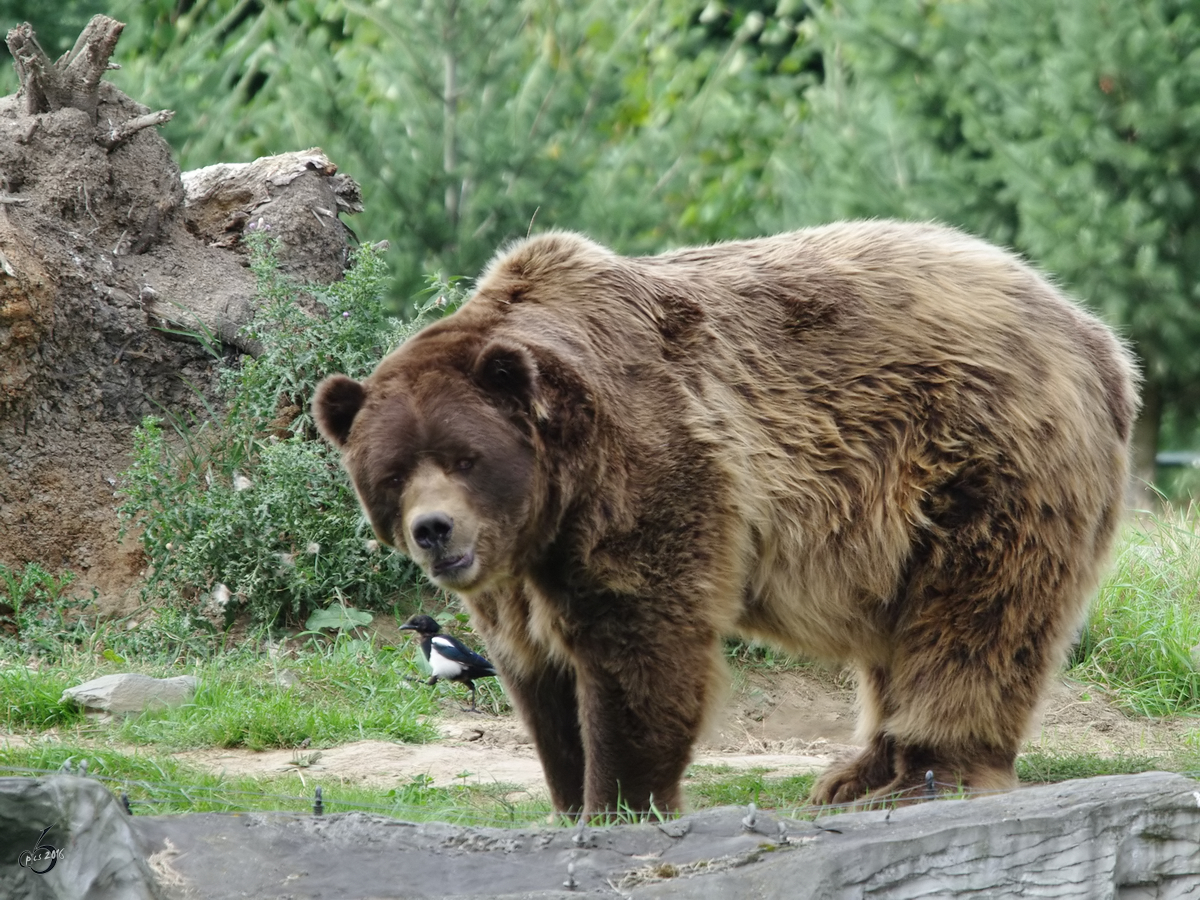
[781, 723]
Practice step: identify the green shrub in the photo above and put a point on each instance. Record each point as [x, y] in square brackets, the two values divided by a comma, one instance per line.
[248, 510]
[30, 587]
[1142, 637]
[38, 614]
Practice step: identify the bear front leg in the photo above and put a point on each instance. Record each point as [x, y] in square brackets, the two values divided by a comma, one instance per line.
[545, 698]
[640, 717]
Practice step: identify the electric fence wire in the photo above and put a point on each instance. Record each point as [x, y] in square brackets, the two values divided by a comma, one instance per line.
[177, 794]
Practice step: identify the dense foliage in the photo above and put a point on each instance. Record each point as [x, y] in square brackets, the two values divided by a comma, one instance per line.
[246, 511]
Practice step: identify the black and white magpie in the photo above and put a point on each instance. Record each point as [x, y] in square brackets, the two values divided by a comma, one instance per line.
[448, 657]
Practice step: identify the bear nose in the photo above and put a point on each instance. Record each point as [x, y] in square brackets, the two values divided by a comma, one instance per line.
[432, 530]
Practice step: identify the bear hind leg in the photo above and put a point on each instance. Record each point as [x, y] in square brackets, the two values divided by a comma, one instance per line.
[980, 771]
[847, 780]
[972, 653]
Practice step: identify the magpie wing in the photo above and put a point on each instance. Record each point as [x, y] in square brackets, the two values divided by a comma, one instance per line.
[453, 649]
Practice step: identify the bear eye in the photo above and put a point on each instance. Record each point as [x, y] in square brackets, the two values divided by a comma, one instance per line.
[464, 464]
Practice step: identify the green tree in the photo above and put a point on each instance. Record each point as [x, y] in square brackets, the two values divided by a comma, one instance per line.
[643, 123]
[1070, 131]
[711, 96]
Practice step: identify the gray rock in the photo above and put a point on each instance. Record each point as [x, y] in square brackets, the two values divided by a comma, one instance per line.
[1120, 837]
[131, 693]
[1124, 837]
[101, 856]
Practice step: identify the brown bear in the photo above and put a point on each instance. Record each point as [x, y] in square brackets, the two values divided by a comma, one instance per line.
[878, 443]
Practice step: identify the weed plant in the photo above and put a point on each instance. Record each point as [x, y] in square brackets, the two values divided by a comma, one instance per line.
[35, 609]
[1142, 637]
[246, 510]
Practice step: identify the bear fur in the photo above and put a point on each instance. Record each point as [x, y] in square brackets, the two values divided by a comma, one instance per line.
[883, 444]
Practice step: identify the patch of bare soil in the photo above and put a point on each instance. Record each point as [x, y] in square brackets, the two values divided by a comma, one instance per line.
[781, 723]
[1080, 718]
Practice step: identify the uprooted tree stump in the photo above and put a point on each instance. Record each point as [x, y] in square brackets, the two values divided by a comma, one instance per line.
[74, 81]
[105, 258]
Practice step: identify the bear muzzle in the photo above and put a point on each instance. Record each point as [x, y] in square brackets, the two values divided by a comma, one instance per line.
[452, 570]
[432, 531]
[444, 552]
[452, 566]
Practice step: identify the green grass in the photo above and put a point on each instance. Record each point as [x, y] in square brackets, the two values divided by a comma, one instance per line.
[722, 786]
[1046, 768]
[29, 699]
[754, 655]
[344, 689]
[157, 784]
[342, 694]
[1142, 638]
[344, 685]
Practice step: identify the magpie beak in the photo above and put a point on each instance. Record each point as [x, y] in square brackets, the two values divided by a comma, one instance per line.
[447, 656]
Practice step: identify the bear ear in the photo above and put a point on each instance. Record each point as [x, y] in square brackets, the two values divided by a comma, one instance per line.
[335, 404]
[507, 372]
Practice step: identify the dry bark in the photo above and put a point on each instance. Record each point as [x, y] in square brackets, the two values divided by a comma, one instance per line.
[73, 82]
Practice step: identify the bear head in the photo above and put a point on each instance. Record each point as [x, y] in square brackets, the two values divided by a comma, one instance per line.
[444, 444]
